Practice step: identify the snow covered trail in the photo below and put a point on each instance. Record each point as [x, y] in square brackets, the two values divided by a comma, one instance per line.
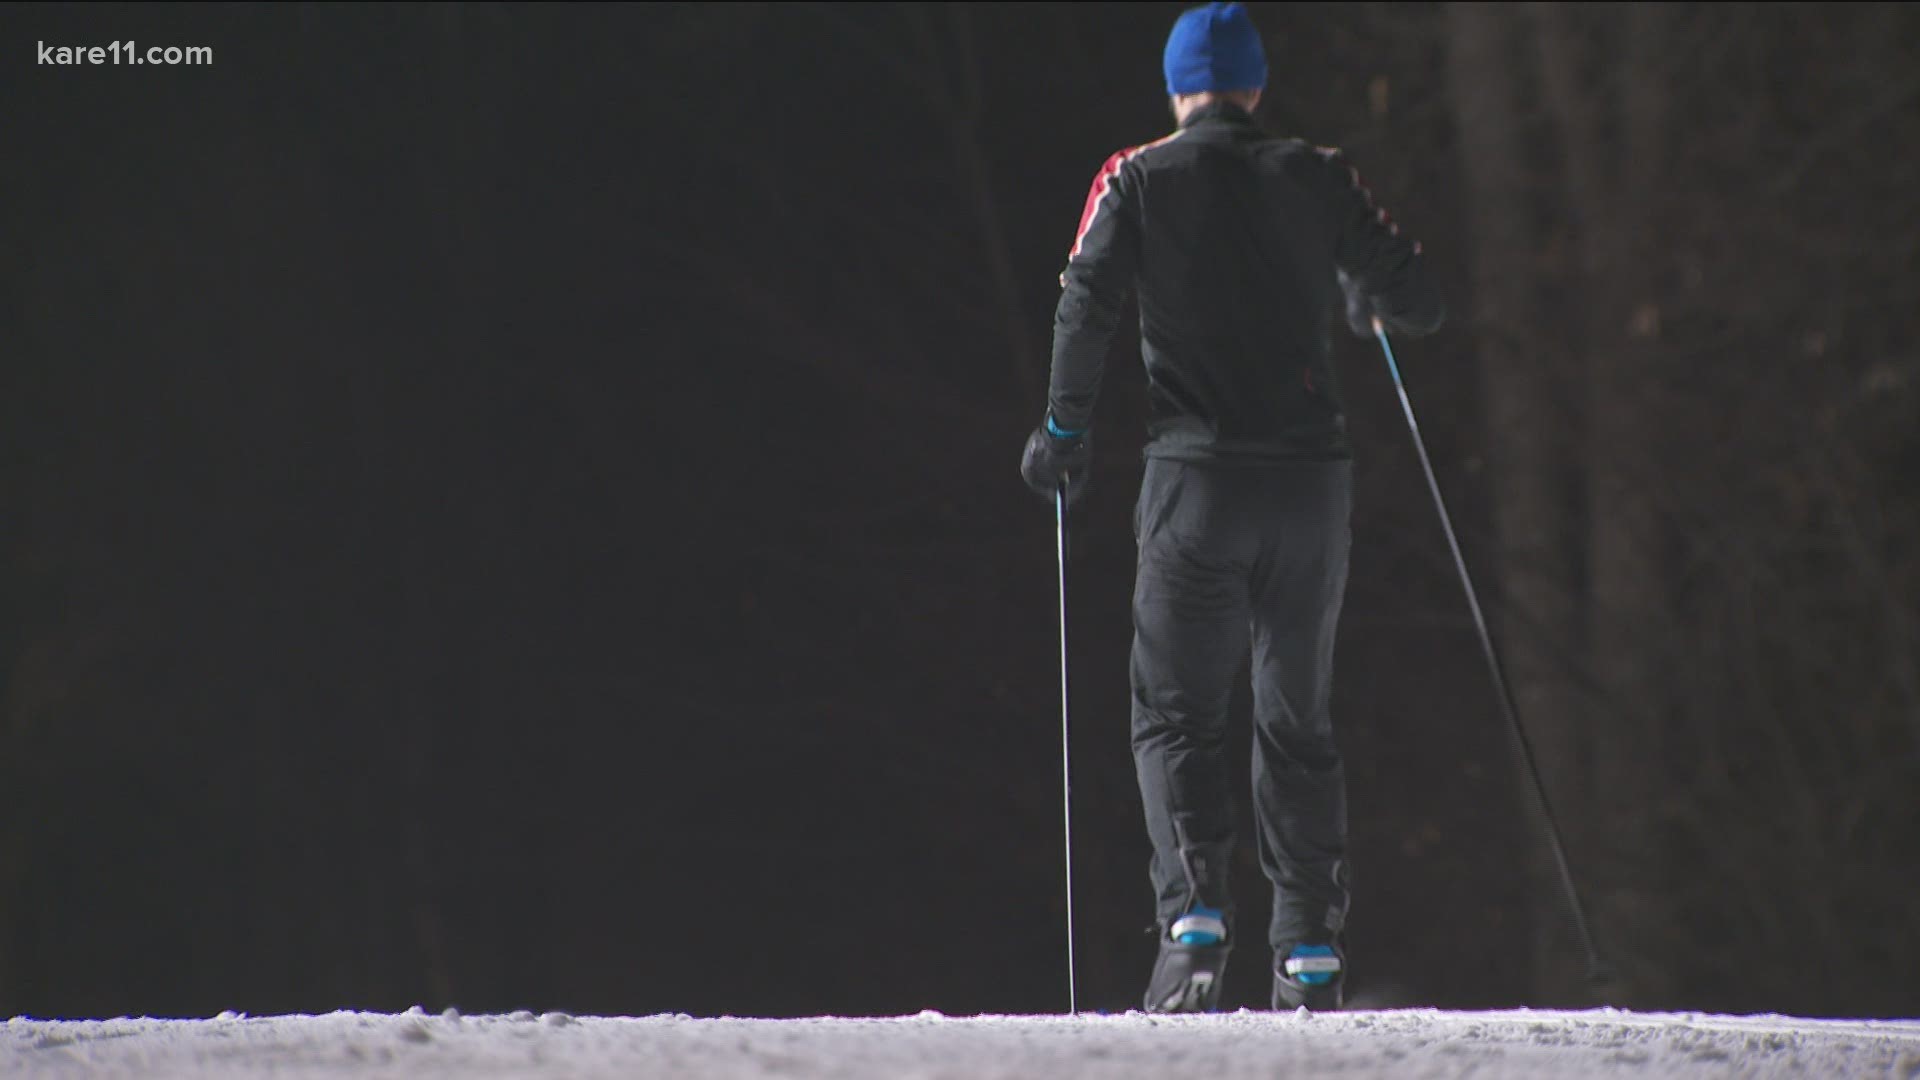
[1410, 1043]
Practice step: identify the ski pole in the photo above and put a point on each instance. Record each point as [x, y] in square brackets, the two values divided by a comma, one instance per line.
[1596, 968]
[1066, 766]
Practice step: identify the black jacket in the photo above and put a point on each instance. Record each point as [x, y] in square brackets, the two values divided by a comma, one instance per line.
[1231, 238]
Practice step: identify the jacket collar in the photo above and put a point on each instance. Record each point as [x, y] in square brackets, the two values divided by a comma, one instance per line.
[1218, 110]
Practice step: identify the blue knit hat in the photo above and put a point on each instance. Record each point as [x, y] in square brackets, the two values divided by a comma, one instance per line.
[1215, 48]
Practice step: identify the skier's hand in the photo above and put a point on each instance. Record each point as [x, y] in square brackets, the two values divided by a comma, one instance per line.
[1360, 310]
[1051, 460]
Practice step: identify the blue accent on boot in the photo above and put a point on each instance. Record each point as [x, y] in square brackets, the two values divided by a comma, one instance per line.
[1315, 956]
[1201, 926]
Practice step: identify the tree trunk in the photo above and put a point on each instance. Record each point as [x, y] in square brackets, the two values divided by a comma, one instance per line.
[1614, 318]
[1526, 448]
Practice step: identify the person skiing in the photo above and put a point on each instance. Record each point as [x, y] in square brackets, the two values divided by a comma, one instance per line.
[1238, 246]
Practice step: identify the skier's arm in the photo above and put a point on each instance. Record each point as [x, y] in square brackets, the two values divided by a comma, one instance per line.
[1099, 274]
[1377, 259]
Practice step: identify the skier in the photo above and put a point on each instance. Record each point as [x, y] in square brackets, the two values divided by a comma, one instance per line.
[1238, 245]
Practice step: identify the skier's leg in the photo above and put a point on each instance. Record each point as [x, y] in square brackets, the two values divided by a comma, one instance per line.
[1299, 783]
[1190, 610]
[1190, 632]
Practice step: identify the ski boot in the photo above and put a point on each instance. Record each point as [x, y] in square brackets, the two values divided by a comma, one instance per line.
[1193, 958]
[1312, 975]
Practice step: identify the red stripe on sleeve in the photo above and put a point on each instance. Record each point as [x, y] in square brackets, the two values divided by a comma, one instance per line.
[1102, 183]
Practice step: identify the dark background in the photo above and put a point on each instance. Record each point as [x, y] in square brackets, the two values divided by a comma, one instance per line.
[515, 507]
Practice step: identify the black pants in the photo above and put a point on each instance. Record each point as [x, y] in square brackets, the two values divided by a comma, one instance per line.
[1232, 559]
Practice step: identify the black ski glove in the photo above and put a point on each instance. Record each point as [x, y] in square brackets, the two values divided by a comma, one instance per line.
[1052, 458]
[1360, 309]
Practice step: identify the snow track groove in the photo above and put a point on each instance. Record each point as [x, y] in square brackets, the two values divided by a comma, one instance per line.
[1399, 1043]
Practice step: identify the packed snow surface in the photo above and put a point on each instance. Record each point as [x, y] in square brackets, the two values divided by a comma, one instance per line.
[1409, 1043]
